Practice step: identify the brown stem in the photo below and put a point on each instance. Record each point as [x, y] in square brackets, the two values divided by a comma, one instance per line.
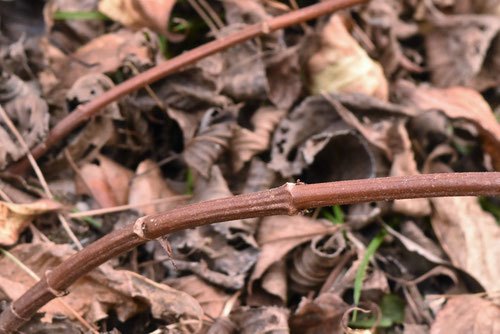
[84, 112]
[287, 199]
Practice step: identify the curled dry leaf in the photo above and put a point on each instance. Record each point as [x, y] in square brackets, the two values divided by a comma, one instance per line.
[458, 103]
[315, 135]
[312, 264]
[99, 292]
[470, 237]
[14, 218]
[247, 143]
[467, 61]
[280, 234]
[27, 110]
[467, 314]
[341, 65]
[149, 184]
[213, 138]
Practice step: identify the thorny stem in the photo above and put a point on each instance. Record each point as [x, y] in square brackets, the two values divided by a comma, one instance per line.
[287, 199]
[84, 112]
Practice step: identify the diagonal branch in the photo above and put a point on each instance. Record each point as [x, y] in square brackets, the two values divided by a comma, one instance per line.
[288, 199]
[84, 112]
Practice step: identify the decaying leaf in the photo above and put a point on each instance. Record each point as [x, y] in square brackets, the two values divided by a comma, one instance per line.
[247, 143]
[321, 315]
[97, 293]
[25, 108]
[103, 54]
[14, 218]
[261, 320]
[467, 39]
[147, 185]
[229, 247]
[458, 103]
[341, 65]
[211, 299]
[467, 314]
[470, 237]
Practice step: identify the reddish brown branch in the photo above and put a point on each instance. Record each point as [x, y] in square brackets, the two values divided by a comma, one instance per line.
[288, 199]
[83, 113]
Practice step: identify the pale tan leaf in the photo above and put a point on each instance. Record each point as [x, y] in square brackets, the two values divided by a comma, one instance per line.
[153, 14]
[467, 315]
[149, 184]
[14, 218]
[470, 237]
[341, 65]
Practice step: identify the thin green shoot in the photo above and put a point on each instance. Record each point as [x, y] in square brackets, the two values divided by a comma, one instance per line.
[189, 182]
[337, 217]
[89, 220]
[80, 15]
[490, 207]
[20, 264]
[360, 275]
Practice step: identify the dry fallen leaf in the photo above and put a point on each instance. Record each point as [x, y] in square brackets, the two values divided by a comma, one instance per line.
[108, 182]
[247, 143]
[457, 103]
[321, 315]
[152, 14]
[97, 293]
[14, 218]
[404, 164]
[149, 184]
[467, 40]
[211, 298]
[212, 140]
[341, 65]
[470, 237]
[467, 315]
[27, 110]
[278, 235]
[269, 319]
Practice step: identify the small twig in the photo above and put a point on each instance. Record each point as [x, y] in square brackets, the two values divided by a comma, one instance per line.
[218, 22]
[204, 16]
[84, 112]
[287, 199]
[127, 206]
[39, 174]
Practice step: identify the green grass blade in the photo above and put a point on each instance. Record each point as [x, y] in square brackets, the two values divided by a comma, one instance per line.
[19, 263]
[92, 15]
[360, 275]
